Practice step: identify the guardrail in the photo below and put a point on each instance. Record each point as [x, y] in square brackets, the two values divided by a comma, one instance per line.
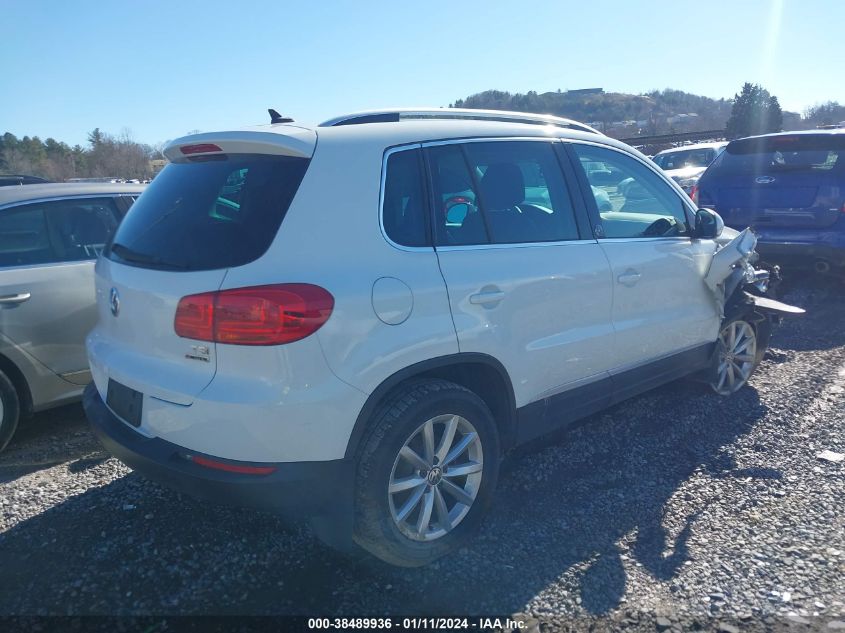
[668, 139]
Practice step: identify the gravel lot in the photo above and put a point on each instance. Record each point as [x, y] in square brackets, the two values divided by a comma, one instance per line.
[677, 509]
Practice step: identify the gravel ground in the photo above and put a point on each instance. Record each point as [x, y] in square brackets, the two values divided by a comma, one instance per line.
[675, 510]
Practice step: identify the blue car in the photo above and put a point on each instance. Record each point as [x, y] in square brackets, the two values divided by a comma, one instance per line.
[788, 187]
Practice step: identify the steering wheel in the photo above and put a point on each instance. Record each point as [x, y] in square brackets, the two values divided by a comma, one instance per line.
[659, 228]
[456, 201]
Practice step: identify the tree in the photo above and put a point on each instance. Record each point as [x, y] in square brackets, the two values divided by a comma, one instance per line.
[95, 137]
[754, 111]
[829, 113]
[120, 157]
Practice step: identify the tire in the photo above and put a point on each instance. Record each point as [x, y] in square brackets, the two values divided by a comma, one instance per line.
[728, 376]
[10, 409]
[383, 524]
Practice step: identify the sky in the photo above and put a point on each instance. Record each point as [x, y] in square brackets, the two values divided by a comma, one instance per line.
[162, 68]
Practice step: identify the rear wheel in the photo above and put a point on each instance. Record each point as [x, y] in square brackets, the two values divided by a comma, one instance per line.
[9, 410]
[738, 356]
[426, 473]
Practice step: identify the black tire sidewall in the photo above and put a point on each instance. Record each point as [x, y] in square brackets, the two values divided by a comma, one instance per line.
[11, 410]
[375, 528]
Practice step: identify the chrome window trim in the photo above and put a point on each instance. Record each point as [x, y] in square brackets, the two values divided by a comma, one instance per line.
[659, 238]
[76, 262]
[493, 139]
[478, 247]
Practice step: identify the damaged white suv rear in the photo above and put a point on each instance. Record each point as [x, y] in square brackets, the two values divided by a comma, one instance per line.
[355, 321]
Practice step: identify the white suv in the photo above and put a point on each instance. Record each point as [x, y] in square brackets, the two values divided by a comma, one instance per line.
[355, 321]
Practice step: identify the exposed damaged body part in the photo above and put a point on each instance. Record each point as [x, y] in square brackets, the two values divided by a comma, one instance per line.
[732, 268]
[747, 313]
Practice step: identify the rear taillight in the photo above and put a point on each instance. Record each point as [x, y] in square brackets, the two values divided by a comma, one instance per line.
[259, 315]
[693, 193]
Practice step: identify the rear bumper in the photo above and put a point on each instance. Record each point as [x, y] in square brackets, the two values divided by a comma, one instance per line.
[295, 489]
[801, 248]
[801, 254]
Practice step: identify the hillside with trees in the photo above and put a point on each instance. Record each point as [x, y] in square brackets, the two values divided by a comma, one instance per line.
[105, 156]
[623, 115]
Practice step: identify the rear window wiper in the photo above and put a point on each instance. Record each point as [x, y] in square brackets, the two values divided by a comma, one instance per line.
[127, 254]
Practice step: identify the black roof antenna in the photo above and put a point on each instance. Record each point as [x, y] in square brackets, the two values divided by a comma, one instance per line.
[275, 117]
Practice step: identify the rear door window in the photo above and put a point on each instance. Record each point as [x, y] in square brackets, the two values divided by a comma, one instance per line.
[209, 214]
[80, 229]
[500, 192]
[23, 237]
[74, 229]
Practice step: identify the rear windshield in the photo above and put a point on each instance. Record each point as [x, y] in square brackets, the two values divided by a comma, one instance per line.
[799, 153]
[209, 214]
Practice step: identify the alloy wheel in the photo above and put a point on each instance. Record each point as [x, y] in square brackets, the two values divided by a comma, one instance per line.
[737, 355]
[435, 477]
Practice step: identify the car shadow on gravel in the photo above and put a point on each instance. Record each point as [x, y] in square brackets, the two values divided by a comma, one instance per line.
[571, 513]
[48, 439]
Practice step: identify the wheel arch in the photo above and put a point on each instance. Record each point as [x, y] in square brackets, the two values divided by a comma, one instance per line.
[480, 373]
[8, 367]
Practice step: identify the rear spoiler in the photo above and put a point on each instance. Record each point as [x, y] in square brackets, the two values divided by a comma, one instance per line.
[289, 140]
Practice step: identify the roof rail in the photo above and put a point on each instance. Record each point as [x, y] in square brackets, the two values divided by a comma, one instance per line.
[416, 114]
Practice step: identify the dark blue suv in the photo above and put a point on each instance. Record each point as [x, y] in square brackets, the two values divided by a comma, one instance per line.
[790, 188]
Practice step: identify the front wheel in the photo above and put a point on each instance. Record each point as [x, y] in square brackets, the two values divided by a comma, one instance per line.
[426, 473]
[738, 356]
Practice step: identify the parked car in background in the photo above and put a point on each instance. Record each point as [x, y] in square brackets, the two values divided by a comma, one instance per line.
[790, 188]
[20, 179]
[50, 236]
[279, 329]
[685, 164]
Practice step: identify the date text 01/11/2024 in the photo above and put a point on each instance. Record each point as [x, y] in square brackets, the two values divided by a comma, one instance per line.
[419, 624]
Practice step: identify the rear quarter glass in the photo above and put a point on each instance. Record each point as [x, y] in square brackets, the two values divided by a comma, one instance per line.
[209, 213]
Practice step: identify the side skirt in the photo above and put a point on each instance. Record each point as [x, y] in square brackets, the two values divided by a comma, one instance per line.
[563, 409]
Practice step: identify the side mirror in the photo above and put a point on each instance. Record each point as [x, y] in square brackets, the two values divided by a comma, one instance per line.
[708, 224]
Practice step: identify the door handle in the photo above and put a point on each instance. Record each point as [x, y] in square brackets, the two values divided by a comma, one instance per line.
[489, 297]
[629, 278]
[13, 300]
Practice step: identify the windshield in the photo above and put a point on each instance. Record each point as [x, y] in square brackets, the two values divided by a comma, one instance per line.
[685, 158]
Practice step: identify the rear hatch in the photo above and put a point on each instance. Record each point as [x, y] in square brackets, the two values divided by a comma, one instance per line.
[795, 181]
[218, 204]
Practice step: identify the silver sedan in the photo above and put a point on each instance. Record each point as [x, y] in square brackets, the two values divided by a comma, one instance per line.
[50, 237]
